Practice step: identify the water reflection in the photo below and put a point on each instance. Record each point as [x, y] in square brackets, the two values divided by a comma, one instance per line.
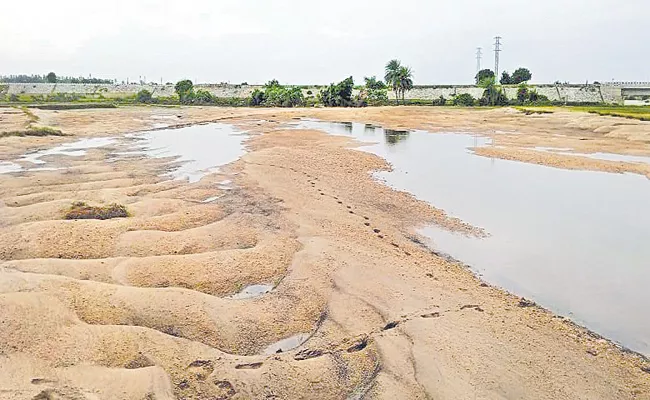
[574, 241]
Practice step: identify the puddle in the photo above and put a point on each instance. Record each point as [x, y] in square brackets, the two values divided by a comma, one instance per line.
[573, 241]
[7, 167]
[252, 291]
[73, 149]
[598, 156]
[211, 199]
[200, 148]
[287, 344]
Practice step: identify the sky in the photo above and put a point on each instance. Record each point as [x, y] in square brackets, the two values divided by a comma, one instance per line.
[319, 42]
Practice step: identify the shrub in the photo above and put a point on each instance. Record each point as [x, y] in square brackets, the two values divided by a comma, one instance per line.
[144, 96]
[493, 96]
[338, 95]
[81, 210]
[201, 97]
[483, 74]
[185, 90]
[521, 75]
[38, 131]
[464, 99]
[276, 95]
[441, 101]
[13, 97]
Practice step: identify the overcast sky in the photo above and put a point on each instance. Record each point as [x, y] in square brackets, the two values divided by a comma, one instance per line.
[303, 41]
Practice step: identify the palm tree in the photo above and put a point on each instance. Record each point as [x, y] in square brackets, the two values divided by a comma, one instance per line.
[404, 80]
[391, 76]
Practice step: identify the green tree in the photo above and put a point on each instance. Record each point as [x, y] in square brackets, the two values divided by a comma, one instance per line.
[144, 96]
[51, 77]
[338, 95]
[464, 99]
[492, 95]
[373, 84]
[521, 75]
[506, 79]
[404, 80]
[391, 75]
[185, 90]
[482, 74]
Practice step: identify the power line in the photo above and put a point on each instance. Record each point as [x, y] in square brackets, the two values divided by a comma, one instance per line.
[497, 50]
[479, 54]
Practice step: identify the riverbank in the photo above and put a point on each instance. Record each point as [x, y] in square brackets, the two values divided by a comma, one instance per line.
[144, 300]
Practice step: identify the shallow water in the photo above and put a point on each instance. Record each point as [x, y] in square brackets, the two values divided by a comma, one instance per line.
[73, 149]
[7, 167]
[252, 291]
[573, 241]
[200, 148]
[598, 155]
[287, 344]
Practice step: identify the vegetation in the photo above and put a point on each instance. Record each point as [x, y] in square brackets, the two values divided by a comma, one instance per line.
[464, 99]
[185, 90]
[527, 96]
[81, 210]
[47, 79]
[51, 77]
[374, 92]
[484, 74]
[73, 106]
[144, 96]
[276, 95]
[338, 95]
[631, 112]
[520, 75]
[493, 95]
[399, 77]
[34, 131]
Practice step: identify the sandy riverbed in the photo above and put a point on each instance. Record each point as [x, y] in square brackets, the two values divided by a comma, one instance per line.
[138, 308]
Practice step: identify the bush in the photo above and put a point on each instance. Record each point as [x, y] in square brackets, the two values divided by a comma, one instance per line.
[338, 95]
[185, 90]
[200, 97]
[144, 96]
[464, 99]
[521, 75]
[276, 95]
[493, 96]
[484, 74]
[81, 210]
[441, 101]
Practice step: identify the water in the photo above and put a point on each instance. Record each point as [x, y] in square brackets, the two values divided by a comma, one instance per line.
[73, 149]
[200, 148]
[598, 155]
[7, 167]
[252, 291]
[287, 344]
[573, 241]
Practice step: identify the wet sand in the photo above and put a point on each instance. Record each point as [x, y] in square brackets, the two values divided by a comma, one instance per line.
[141, 307]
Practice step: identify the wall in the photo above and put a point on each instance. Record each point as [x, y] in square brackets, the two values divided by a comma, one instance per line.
[568, 93]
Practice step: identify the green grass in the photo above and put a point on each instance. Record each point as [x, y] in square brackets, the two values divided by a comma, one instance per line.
[38, 131]
[633, 112]
[81, 210]
[74, 106]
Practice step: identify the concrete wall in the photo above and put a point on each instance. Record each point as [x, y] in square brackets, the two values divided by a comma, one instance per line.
[569, 93]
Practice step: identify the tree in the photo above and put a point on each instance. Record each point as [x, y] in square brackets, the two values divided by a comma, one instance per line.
[144, 96]
[390, 76]
[185, 90]
[51, 77]
[506, 79]
[338, 95]
[404, 80]
[464, 99]
[373, 84]
[521, 75]
[492, 95]
[482, 74]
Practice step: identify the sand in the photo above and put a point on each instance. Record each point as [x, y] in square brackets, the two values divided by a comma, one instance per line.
[139, 308]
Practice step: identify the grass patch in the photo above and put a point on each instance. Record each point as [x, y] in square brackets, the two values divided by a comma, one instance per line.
[535, 110]
[74, 106]
[38, 131]
[633, 112]
[81, 210]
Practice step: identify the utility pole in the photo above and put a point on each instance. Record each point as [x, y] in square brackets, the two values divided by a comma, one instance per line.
[497, 50]
[479, 54]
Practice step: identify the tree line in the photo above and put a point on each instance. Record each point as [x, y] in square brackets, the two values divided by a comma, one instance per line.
[51, 78]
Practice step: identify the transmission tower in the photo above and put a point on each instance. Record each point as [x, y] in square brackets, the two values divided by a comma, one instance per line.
[479, 54]
[497, 50]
